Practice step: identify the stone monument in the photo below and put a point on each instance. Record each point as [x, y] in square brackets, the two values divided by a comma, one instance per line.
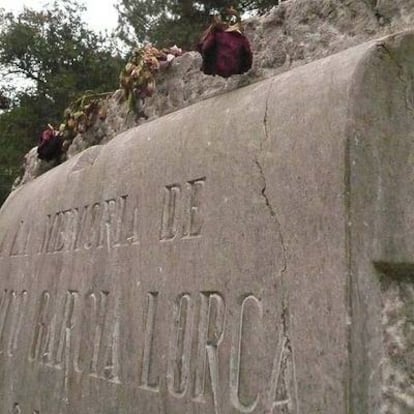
[252, 253]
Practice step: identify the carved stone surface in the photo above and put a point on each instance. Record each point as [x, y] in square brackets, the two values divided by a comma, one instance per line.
[398, 364]
[247, 254]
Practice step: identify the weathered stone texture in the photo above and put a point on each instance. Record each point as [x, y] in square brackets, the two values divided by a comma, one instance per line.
[398, 364]
[293, 33]
[251, 253]
[380, 213]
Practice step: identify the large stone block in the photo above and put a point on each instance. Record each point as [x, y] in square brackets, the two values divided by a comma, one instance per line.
[249, 254]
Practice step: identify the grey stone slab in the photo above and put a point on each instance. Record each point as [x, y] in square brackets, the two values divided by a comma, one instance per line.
[248, 254]
[380, 216]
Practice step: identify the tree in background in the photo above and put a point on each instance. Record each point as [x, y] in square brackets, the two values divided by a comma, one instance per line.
[59, 58]
[168, 22]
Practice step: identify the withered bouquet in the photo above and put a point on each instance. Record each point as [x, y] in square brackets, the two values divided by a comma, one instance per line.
[82, 114]
[137, 79]
[224, 48]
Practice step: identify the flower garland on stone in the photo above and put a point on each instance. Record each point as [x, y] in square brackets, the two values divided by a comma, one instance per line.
[137, 79]
[82, 114]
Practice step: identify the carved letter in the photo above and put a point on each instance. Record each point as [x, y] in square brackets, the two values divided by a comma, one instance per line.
[12, 309]
[71, 228]
[65, 232]
[112, 357]
[236, 354]
[94, 220]
[108, 223]
[169, 221]
[146, 382]
[5, 305]
[97, 343]
[46, 234]
[41, 328]
[194, 220]
[3, 244]
[20, 240]
[210, 335]
[80, 222]
[282, 381]
[88, 336]
[49, 237]
[63, 346]
[18, 310]
[48, 349]
[131, 237]
[55, 233]
[59, 241]
[180, 347]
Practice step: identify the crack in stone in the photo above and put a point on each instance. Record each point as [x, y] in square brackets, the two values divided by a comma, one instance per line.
[285, 321]
[263, 190]
[263, 177]
[265, 129]
[272, 214]
[285, 334]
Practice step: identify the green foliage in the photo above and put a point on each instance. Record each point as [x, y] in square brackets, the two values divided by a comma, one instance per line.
[61, 58]
[168, 22]
[57, 52]
[15, 140]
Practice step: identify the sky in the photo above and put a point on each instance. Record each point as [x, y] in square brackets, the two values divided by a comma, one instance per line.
[100, 14]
